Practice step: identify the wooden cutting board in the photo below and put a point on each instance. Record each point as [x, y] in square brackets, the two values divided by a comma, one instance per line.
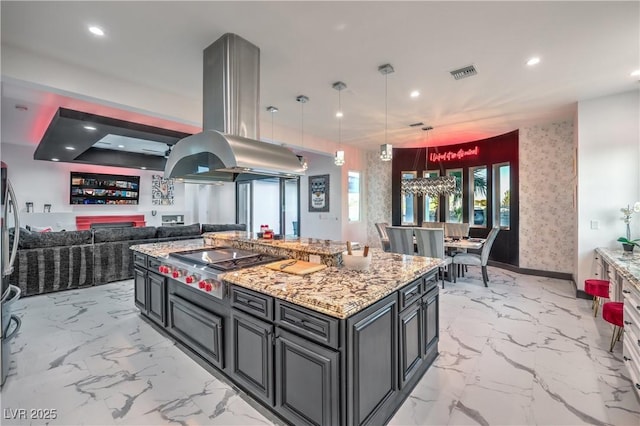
[299, 268]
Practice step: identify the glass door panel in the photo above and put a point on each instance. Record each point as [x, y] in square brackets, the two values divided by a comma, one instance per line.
[454, 201]
[291, 210]
[243, 204]
[409, 203]
[266, 203]
[431, 204]
[478, 199]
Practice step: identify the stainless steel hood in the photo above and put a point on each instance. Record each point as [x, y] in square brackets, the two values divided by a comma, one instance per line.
[228, 149]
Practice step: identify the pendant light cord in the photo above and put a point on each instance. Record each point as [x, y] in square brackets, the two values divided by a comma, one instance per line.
[385, 107]
[339, 119]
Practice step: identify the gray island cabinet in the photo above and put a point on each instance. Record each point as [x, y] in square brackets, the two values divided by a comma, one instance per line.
[335, 347]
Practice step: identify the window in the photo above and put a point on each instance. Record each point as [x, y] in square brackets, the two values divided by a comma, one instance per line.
[478, 199]
[454, 201]
[409, 203]
[431, 204]
[502, 195]
[354, 196]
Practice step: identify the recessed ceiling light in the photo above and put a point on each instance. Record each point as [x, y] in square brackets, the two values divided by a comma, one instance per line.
[96, 30]
[69, 148]
[635, 73]
[55, 159]
[415, 94]
[339, 114]
[143, 168]
[90, 128]
[533, 61]
[120, 146]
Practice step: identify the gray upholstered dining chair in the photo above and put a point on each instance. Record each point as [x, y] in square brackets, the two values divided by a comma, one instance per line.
[438, 225]
[430, 242]
[382, 233]
[456, 230]
[401, 239]
[473, 259]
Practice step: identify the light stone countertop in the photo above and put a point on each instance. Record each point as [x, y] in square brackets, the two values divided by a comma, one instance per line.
[334, 291]
[162, 250]
[626, 263]
[337, 291]
[308, 245]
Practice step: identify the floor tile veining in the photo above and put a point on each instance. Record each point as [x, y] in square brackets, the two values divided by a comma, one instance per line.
[523, 351]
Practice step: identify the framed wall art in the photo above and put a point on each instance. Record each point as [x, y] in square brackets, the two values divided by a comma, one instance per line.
[319, 193]
[161, 191]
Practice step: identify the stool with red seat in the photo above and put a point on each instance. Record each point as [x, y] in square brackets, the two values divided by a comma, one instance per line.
[612, 312]
[596, 288]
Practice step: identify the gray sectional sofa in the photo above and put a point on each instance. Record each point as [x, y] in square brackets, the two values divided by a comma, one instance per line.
[54, 261]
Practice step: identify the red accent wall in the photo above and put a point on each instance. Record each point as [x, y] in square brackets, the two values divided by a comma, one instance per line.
[84, 222]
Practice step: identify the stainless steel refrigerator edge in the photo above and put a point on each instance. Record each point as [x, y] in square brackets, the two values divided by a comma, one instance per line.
[10, 293]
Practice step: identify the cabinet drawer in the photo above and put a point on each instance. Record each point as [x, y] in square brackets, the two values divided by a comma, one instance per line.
[153, 264]
[140, 259]
[410, 293]
[307, 323]
[199, 329]
[252, 302]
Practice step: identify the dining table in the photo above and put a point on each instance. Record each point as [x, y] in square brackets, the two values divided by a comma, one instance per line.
[465, 243]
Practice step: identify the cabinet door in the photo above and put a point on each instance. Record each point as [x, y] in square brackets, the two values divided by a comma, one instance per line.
[410, 344]
[156, 302]
[373, 362]
[140, 289]
[199, 329]
[431, 321]
[307, 390]
[252, 364]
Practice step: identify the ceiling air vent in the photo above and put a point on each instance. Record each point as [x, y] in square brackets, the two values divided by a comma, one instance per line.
[464, 72]
[425, 128]
[416, 124]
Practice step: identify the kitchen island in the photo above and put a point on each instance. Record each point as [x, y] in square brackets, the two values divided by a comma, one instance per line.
[333, 347]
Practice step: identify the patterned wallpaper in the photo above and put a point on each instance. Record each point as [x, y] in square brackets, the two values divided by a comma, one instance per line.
[378, 195]
[547, 212]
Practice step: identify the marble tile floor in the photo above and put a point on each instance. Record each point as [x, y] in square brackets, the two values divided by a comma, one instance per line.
[522, 352]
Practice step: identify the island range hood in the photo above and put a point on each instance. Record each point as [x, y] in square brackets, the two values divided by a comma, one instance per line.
[228, 148]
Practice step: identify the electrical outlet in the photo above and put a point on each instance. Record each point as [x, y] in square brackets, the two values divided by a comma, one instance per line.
[595, 224]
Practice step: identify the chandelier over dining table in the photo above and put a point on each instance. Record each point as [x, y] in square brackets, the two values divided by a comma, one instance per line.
[432, 186]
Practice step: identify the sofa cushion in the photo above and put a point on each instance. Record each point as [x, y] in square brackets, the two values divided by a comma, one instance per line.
[54, 239]
[178, 231]
[208, 227]
[102, 235]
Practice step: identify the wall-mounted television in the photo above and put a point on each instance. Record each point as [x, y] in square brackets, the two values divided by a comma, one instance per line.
[98, 188]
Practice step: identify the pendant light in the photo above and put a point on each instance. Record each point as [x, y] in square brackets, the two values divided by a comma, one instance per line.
[272, 110]
[303, 100]
[338, 160]
[386, 152]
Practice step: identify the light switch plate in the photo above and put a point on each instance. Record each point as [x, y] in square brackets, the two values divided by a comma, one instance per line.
[595, 224]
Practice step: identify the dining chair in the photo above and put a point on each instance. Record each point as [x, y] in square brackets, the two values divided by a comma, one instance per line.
[401, 239]
[430, 242]
[473, 259]
[433, 225]
[382, 234]
[456, 230]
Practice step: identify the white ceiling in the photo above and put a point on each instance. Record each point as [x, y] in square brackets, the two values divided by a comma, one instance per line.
[587, 49]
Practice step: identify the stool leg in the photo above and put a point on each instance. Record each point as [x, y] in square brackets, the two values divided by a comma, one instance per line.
[596, 305]
[613, 338]
[620, 330]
